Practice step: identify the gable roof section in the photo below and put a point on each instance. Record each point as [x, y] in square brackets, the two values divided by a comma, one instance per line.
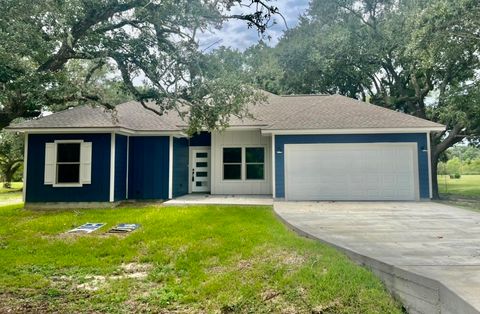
[300, 112]
[129, 116]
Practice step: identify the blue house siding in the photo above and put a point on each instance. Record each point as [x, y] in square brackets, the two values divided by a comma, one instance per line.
[202, 139]
[120, 188]
[419, 138]
[148, 167]
[180, 166]
[97, 191]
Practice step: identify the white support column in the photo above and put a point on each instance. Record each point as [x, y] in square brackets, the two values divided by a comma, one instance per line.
[213, 164]
[112, 167]
[128, 162]
[273, 166]
[25, 160]
[170, 168]
[430, 188]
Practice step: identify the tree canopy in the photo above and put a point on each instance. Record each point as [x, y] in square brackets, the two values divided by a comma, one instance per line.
[150, 45]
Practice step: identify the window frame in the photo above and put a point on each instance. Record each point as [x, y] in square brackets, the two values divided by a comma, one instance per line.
[72, 184]
[233, 163]
[243, 164]
[254, 163]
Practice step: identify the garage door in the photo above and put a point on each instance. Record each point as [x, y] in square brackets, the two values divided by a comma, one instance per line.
[386, 171]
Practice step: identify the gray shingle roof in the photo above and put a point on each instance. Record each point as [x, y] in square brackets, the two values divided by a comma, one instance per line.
[301, 112]
[130, 115]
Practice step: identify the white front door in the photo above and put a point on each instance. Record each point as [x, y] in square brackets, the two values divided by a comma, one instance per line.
[376, 171]
[200, 169]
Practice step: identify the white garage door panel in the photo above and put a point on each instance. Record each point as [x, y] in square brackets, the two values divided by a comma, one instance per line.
[351, 171]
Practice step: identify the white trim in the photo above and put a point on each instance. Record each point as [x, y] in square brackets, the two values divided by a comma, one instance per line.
[273, 166]
[112, 167]
[212, 162]
[354, 131]
[121, 131]
[128, 161]
[429, 148]
[25, 163]
[67, 185]
[170, 168]
[67, 141]
[415, 150]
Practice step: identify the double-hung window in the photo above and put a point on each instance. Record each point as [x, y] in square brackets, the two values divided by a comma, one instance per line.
[255, 163]
[232, 163]
[243, 163]
[68, 163]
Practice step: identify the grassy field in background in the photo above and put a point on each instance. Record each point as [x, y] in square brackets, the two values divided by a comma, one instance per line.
[197, 259]
[11, 195]
[463, 192]
[466, 186]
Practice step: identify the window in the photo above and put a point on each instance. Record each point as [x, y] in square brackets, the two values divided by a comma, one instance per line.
[255, 163]
[232, 163]
[68, 163]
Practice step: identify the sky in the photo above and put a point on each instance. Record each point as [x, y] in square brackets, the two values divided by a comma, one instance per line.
[235, 33]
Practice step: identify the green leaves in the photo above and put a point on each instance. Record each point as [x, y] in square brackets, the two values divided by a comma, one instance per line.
[50, 50]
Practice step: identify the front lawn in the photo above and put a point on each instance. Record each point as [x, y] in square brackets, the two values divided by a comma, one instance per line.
[205, 259]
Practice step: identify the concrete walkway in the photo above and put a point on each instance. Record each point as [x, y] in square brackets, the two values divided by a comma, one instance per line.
[427, 254]
[200, 198]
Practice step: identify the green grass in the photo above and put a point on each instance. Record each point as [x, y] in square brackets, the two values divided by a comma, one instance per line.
[229, 259]
[12, 195]
[467, 186]
[16, 187]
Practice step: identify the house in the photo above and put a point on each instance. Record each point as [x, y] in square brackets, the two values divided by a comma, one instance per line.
[305, 147]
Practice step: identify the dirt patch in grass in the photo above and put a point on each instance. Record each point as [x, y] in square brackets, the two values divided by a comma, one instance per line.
[134, 271]
[10, 303]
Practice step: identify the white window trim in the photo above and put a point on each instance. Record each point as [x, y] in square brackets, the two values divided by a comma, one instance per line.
[243, 164]
[59, 185]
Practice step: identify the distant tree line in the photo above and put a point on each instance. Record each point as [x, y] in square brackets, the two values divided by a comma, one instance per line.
[460, 160]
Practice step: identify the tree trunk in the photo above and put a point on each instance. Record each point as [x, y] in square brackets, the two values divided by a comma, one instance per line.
[436, 150]
[8, 179]
[434, 166]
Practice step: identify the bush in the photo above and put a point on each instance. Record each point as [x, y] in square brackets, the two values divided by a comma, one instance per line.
[455, 176]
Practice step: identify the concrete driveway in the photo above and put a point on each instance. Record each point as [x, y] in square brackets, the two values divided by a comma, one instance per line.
[427, 254]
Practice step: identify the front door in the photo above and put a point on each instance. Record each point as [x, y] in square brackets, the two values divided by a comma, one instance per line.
[200, 169]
